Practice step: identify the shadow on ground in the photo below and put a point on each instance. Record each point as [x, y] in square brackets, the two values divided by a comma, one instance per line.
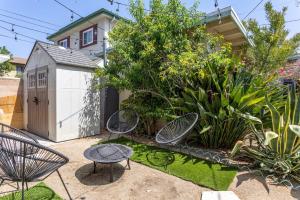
[160, 158]
[249, 176]
[296, 194]
[86, 176]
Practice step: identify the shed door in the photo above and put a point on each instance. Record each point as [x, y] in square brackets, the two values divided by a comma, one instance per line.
[38, 101]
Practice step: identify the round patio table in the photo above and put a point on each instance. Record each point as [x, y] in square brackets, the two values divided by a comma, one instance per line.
[108, 154]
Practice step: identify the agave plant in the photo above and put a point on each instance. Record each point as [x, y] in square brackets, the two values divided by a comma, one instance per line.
[278, 149]
[226, 102]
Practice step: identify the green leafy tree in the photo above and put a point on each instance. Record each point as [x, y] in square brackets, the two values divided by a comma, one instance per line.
[5, 66]
[271, 45]
[152, 45]
[172, 65]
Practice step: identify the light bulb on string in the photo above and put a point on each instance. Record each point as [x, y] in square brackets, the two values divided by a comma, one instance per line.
[72, 16]
[118, 7]
[111, 2]
[216, 3]
[12, 28]
[16, 38]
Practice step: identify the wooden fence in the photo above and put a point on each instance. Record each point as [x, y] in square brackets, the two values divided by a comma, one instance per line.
[11, 102]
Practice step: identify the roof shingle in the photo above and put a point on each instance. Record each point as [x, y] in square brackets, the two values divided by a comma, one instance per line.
[62, 55]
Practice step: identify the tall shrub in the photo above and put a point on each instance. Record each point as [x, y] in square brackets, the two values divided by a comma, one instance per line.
[271, 46]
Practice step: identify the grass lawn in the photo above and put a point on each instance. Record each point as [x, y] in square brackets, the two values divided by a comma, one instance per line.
[198, 171]
[38, 192]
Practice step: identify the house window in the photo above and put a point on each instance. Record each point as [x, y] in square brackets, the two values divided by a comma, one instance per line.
[42, 79]
[31, 80]
[64, 42]
[20, 69]
[88, 36]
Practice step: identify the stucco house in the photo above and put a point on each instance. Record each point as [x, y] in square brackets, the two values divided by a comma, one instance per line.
[59, 100]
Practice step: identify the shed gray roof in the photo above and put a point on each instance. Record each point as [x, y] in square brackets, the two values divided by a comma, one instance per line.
[65, 56]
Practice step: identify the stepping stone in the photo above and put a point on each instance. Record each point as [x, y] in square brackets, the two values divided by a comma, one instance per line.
[219, 195]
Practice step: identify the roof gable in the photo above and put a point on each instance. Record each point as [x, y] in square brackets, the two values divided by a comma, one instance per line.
[61, 55]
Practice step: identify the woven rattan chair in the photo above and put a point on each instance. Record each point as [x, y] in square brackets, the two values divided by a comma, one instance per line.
[6, 129]
[175, 131]
[24, 161]
[122, 122]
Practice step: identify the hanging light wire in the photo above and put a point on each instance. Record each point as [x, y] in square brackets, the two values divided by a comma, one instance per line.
[253, 9]
[31, 18]
[16, 25]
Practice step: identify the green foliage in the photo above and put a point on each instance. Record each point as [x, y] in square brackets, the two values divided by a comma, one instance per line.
[151, 46]
[5, 66]
[198, 171]
[271, 46]
[149, 113]
[168, 56]
[38, 192]
[278, 150]
[226, 97]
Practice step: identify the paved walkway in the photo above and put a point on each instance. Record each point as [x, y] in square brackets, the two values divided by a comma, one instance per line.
[144, 183]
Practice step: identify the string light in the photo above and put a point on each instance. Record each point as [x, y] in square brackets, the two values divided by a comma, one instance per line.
[16, 38]
[25, 27]
[118, 8]
[219, 11]
[31, 18]
[72, 16]
[111, 2]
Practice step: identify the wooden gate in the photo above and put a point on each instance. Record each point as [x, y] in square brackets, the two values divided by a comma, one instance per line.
[37, 87]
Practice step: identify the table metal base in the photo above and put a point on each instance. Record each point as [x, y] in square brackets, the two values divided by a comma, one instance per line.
[111, 169]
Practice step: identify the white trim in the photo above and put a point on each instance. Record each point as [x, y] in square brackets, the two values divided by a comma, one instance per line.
[44, 81]
[29, 86]
[88, 30]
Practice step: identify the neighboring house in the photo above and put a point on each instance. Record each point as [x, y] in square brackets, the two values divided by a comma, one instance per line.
[292, 68]
[87, 34]
[18, 67]
[59, 102]
[19, 64]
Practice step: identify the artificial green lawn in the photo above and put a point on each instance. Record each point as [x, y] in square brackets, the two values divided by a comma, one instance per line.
[38, 192]
[198, 171]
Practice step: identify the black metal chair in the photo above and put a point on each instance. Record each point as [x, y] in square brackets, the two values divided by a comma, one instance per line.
[172, 134]
[175, 131]
[122, 122]
[24, 161]
[6, 129]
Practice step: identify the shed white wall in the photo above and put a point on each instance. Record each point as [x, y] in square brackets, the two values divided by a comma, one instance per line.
[78, 104]
[39, 58]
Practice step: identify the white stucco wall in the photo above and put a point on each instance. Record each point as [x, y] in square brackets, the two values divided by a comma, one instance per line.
[39, 58]
[78, 106]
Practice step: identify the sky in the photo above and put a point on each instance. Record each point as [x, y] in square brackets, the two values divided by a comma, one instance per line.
[50, 11]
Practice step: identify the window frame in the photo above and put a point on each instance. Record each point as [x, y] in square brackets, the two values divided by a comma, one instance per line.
[92, 29]
[67, 40]
[45, 79]
[29, 81]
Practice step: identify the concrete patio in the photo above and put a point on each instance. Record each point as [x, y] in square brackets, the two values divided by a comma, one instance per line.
[142, 182]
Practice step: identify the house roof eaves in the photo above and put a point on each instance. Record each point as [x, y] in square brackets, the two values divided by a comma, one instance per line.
[83, 20]
[228, 12]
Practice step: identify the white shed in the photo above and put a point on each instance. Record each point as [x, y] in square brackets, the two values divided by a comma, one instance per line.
[60, 102]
